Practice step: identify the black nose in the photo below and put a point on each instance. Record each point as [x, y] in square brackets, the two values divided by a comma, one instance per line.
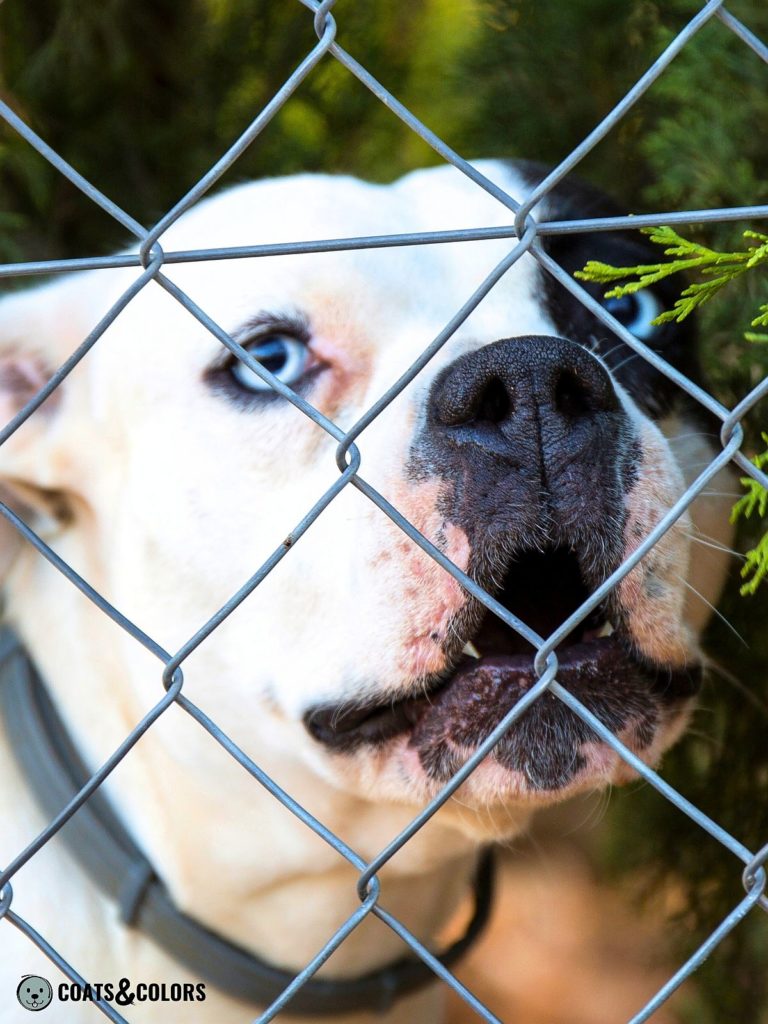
[535, 447]
[519, 392]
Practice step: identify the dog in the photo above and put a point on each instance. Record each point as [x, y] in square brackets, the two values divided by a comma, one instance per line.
[534, 451]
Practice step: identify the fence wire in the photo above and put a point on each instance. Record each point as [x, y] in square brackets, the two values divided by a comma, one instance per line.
[524, 235]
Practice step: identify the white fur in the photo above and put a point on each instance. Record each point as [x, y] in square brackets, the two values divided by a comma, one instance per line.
[178, 497]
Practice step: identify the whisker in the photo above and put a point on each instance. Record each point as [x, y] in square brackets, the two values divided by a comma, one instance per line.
[716, 547]
[718, 613]
[616, 348]
[592, 345]
[704, 462]
[708, 536]
[736, 683]
[619, 366]
[703, 737]
[684, 437]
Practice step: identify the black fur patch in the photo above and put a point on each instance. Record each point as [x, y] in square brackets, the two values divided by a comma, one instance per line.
[573, 199]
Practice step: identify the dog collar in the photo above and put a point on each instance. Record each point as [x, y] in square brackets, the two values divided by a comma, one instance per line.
[103, 847]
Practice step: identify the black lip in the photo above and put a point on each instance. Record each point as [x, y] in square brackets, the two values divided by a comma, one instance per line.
[345, 726]
[445, 720]
[603, 673]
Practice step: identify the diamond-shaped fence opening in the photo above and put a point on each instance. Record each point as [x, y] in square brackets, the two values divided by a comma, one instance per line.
[524, 236]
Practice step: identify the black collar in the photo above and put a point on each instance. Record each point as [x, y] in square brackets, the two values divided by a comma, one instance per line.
[109, 855]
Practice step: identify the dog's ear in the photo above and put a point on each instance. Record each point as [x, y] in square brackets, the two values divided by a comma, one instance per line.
[37, 332]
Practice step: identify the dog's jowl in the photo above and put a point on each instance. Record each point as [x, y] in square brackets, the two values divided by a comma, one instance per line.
[535, 451]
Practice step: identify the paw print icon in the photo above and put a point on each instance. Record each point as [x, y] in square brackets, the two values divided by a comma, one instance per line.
[34, 992]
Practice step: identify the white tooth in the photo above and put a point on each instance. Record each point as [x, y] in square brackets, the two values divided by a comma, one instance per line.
[470, 649]
[606, 629]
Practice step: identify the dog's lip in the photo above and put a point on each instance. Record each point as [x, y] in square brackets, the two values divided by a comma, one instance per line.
[450, 715]
[485, 689]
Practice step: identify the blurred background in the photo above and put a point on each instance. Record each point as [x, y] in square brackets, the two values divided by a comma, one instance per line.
[142, 98]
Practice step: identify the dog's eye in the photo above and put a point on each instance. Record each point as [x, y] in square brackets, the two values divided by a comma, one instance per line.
[636, 312]
[282, 355]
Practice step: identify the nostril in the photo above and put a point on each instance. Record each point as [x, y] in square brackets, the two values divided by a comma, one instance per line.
[572, 397]
[494, 404]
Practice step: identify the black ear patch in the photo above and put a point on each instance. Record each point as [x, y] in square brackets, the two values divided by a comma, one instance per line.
[573, 199]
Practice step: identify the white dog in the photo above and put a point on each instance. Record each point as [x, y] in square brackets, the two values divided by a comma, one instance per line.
[533, 451]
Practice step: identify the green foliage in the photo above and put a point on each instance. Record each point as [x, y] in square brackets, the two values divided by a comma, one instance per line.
[755, 500]
[700, 142]
[718, 270]
[142, 98]
[721, 768]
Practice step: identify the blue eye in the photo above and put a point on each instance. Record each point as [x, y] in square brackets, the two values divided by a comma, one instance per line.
[282, 355]
[636, 312]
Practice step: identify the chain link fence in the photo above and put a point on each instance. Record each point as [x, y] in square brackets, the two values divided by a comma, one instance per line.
[525, 236]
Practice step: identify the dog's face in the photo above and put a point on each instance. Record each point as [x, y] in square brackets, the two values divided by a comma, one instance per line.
[530, 451]
[34, 993]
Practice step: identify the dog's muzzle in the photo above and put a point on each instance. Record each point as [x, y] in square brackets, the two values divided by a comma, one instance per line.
[537, 454]
[535, 440]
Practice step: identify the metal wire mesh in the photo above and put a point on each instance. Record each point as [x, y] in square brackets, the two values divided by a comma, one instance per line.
[525, 236]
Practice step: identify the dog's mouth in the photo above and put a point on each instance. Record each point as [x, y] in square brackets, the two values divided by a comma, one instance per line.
[597, 663]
